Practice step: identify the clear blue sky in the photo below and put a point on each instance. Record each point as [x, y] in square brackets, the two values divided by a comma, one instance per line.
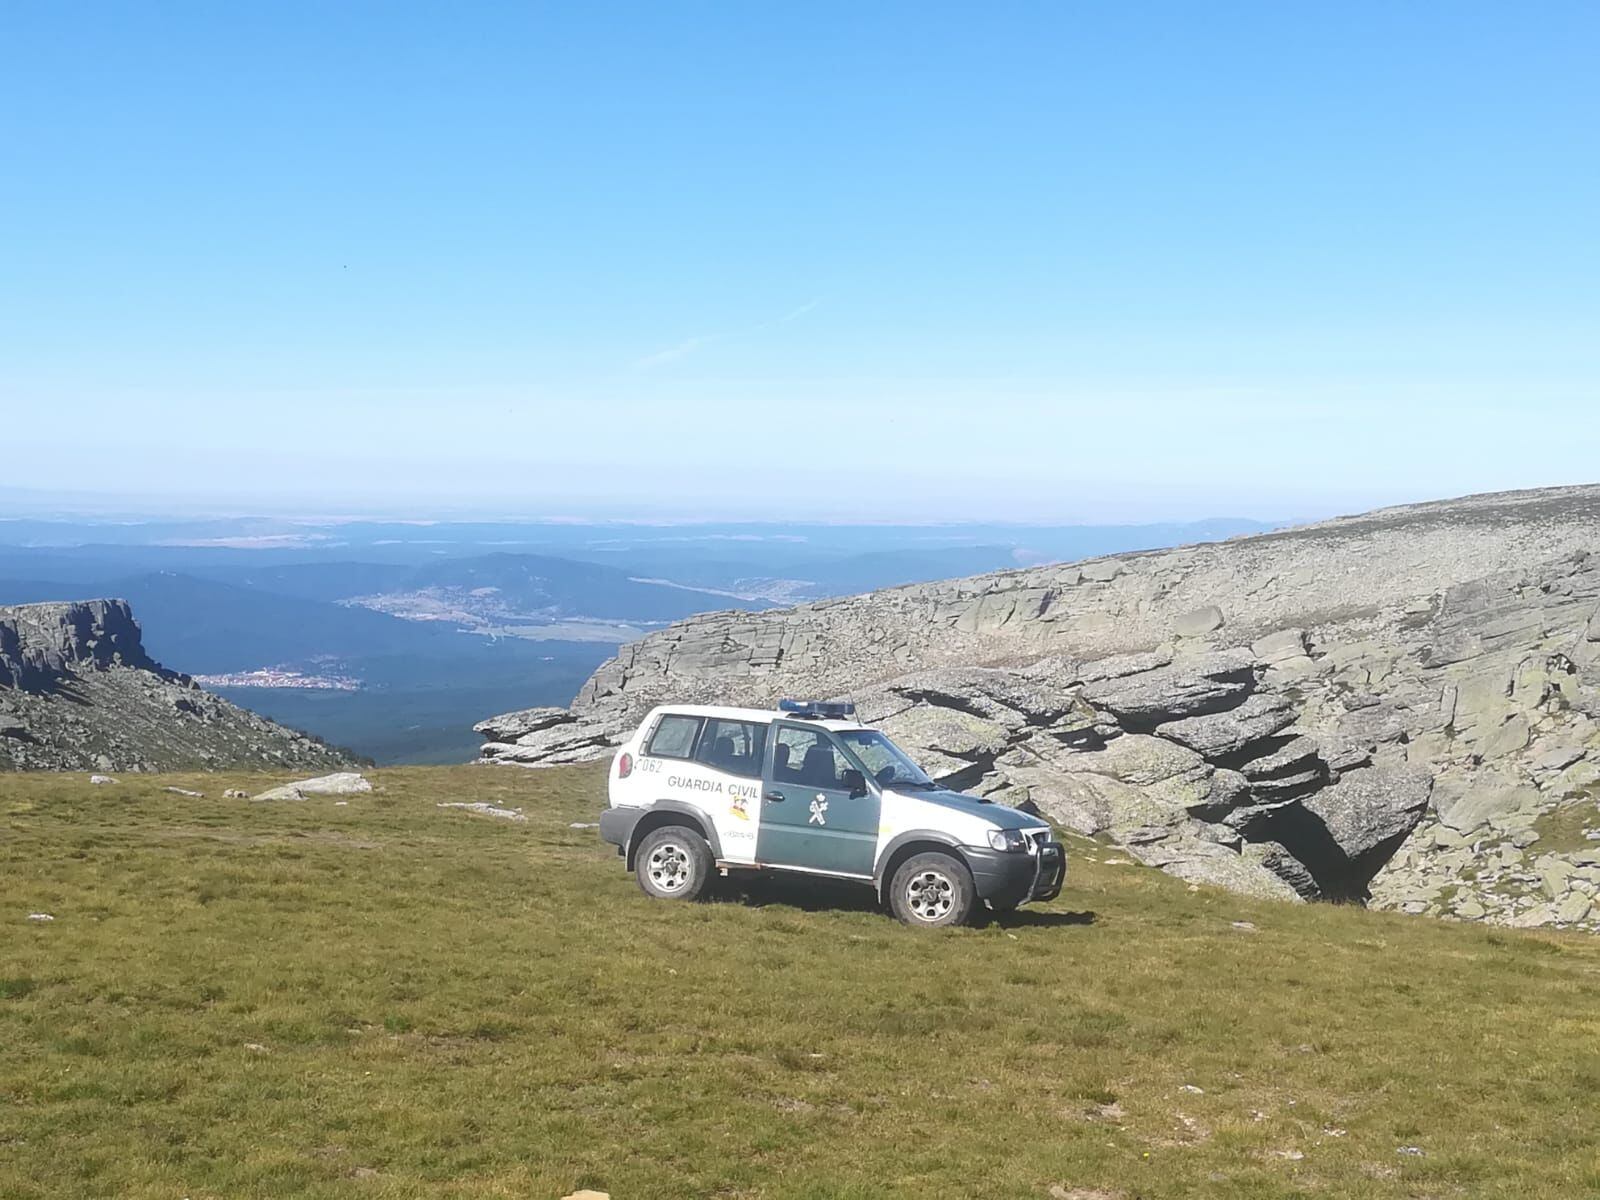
[1057, 261]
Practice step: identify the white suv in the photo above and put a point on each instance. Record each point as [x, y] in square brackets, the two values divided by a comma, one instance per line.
[702, 788]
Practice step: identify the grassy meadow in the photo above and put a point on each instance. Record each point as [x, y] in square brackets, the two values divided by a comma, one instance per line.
[389, 998]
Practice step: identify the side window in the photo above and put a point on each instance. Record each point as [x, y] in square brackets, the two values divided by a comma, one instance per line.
[674, 737]
[806, 757]
[733, 746]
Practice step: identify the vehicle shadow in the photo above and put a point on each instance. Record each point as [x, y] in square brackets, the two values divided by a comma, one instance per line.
[1037, 918]
[810, 894]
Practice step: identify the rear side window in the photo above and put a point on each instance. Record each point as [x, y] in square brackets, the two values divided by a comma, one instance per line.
[674, 737]
[807, 757]
[733, 746]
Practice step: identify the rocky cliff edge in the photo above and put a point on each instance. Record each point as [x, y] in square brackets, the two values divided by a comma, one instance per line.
[1399, 708]
[79, 692]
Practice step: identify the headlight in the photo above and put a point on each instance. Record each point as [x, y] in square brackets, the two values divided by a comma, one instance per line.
[1007, 839]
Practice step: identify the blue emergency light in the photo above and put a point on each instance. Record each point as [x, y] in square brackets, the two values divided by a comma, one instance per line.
[817, 710]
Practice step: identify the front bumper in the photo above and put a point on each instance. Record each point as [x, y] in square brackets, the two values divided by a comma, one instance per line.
[1008, 878]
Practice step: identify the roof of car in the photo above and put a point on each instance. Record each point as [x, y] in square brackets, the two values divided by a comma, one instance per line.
[765, 715]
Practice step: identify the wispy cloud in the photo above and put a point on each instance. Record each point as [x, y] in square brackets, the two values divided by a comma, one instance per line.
[808, 306]
[691, 345]
[682, 350]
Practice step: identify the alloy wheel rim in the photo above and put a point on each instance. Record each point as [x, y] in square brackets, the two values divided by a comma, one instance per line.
[930, 895]
[669, 867]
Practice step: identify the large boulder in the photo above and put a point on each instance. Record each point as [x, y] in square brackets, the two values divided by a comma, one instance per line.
[1005, 697]
[341, 783]
[1490, 798]
[537, 737]
[1368, 807]
[565, 743]
[1135, 758]
[1189, 687]
[1204, 862]
[1133, 781]
[1198, 622]
[1289, 757]
[1112, 666]
[945, 741]
[1217, 734]
[1081, 803]
[1279, 647]
[508, 727]
[1506, 738]
[1277, 859]
[947, 730]
[1091, 804]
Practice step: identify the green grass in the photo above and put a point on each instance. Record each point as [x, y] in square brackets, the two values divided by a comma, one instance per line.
[392, 999]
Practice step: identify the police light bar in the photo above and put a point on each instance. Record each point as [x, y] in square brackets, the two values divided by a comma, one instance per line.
[817, 709]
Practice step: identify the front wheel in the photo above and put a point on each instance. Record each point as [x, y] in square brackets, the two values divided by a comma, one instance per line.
[673, 863]
[932, 889]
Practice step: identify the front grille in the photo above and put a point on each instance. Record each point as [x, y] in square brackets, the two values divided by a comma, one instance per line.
[1040, 840]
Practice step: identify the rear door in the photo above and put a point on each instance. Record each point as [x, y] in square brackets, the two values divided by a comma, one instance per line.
[734, 750]
[809, 817]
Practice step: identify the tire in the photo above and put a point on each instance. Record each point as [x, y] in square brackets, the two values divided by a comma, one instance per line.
[673, 863]
[933, 889]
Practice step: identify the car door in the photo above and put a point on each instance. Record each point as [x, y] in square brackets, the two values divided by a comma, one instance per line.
[811, 817]
[736, 750]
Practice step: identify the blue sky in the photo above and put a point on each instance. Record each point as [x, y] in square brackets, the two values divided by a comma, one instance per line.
[1044, 262]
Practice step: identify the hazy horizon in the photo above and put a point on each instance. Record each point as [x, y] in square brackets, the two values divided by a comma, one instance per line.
[108, 507]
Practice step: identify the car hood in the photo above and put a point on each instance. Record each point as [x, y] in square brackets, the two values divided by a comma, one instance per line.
[997, 815]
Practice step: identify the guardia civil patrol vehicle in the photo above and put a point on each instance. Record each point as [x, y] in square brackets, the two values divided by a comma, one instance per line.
[702, 790]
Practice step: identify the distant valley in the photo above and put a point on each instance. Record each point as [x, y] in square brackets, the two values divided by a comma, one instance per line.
[392, 638]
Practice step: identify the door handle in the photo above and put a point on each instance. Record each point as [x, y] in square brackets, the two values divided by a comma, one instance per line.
[773, 797]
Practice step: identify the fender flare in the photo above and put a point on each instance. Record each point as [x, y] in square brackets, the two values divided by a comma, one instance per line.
[647, 823]
[902, 840]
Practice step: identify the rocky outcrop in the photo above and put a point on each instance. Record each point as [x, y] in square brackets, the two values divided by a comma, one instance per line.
[548, 736]
[78, 692]
[1385, 566]
[41, 642]
[1401, 708]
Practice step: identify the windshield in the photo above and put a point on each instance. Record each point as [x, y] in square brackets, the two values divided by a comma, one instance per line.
[884, 761]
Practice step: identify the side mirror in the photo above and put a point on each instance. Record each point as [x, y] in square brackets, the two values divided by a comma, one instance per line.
[854, 780]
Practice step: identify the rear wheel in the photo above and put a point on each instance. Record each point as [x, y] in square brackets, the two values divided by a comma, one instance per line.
[932, 889]
[673, 863]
